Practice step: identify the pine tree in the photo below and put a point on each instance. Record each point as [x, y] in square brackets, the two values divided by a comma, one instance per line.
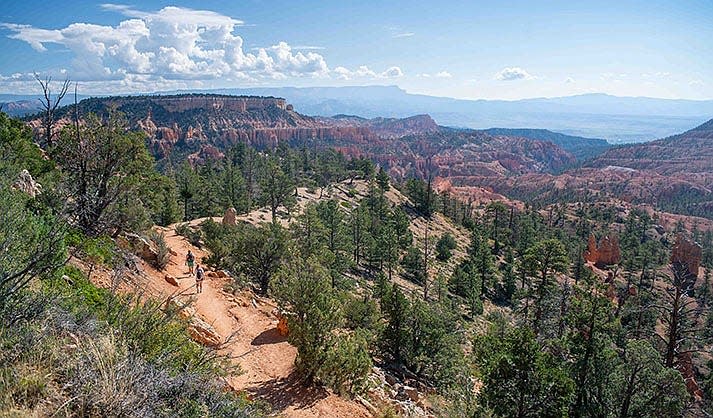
[382, 179]
[276, 187]
[541, 261]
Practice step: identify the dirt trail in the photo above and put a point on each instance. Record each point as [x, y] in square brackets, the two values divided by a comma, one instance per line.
[246, 323]
[248, 326]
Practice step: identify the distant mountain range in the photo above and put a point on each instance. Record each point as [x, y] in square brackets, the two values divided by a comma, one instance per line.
[616, 119]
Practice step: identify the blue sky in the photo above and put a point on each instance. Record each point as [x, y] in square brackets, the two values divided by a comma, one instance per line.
[464, 49]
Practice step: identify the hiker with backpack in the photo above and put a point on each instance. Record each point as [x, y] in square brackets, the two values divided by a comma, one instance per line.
[190, 259]
[200, 273]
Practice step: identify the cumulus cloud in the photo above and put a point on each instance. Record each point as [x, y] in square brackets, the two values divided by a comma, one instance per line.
[173, 43]
[443, 74]
[364, 71]
[392, 72]
[513, 73]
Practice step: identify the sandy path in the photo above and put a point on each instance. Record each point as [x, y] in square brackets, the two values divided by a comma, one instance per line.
[247, 323]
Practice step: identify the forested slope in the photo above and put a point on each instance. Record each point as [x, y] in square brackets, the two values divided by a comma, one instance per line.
[399, 298]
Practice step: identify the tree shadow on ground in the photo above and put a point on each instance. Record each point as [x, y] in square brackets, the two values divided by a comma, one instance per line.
[288, 391]
[269, 336]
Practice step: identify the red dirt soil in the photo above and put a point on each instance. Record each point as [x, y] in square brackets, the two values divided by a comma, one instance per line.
[247, 326]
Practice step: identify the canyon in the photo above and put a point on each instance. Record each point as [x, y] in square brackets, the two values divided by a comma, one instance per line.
[674, 174]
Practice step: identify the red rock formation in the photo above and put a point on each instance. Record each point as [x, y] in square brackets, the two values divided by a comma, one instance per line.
[688, 253]
[606, 253]
[229, 217]
[685, 366]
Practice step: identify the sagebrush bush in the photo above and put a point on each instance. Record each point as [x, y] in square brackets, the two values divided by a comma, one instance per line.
[82, 351]
[163, 253]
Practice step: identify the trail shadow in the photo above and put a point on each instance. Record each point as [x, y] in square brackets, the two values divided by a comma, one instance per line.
[270, 336]
[288, 391]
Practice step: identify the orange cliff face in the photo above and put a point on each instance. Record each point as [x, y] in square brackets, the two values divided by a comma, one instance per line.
[201, 127]
[201, 124]
[604, 253]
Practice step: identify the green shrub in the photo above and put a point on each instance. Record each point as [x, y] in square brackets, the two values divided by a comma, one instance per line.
[194, 237]
[92, 353]
[163, 253]
[444, 247]
[347, 363]
[99, 250]
[325, 352]
[413, 264]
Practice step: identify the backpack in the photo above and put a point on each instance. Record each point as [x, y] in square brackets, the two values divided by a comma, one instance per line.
[190, 257]
[199, 273]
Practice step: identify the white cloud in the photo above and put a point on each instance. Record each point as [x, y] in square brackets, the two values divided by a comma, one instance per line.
[392, 72]
[308, 48]
[363, 72]
[513, 73]
[696, 82]
[173, 43]
[404, 35]
[569, 80]
[443, 74]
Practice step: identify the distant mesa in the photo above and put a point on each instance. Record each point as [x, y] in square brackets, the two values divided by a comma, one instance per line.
[182, 103]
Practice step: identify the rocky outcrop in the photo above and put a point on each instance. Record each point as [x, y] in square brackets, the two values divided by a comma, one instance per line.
[26, 184]
[171, 280]
[687, 253]
[229, 217]
[203, 333]
[685, 366]
[139, 246]
[604, 253]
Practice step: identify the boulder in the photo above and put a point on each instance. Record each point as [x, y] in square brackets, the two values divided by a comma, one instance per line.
[139, 245]
[411, 393]
[171, 280]
[687, 253]
[203, 333]
[229, 217]
[183, 309]
[282, 327]
[26, 184]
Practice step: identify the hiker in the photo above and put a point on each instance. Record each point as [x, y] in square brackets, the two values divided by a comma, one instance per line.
[199, 279]
[190, 259]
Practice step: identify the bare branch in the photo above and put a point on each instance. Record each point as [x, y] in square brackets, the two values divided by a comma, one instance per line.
[50, 105]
